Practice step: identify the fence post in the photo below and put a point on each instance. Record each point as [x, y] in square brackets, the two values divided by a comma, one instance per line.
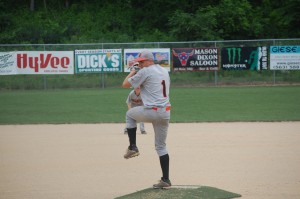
[216, 78]
[44, 76]
[102, 75]
[102, 84]
[274, 71]
[216, 72]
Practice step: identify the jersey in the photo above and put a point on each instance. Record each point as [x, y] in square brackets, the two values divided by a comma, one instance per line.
[133, 100]
[154, 81]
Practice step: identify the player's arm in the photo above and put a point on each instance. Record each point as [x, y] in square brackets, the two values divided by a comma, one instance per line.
[126, 83]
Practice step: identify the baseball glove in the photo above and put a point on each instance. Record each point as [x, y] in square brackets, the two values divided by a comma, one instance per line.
[135, 67]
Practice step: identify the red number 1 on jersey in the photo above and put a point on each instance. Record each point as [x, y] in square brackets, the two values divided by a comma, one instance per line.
[164, 87]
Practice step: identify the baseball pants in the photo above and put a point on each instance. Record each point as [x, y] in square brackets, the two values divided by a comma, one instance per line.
[160, 120]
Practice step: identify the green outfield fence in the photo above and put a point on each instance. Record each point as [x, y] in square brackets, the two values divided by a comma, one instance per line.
[178, 79]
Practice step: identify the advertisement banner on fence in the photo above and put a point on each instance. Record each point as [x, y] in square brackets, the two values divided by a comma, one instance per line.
[7, 66]
[195, 59]
[284, 57]
[244, 58]
[98, 60]
[161, 56]
[45, 62]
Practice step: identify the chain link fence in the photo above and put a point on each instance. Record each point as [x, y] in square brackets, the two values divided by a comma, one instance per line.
[178, 79]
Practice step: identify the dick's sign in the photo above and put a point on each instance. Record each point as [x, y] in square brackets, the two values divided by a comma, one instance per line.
[98, 60]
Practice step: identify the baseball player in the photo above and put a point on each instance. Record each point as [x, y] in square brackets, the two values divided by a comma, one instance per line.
[134, 99]
[154, 82]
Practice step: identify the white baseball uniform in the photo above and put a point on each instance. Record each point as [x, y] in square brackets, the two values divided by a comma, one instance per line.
[154, 81]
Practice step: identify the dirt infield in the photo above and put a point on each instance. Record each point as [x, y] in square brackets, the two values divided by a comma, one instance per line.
[256, 160]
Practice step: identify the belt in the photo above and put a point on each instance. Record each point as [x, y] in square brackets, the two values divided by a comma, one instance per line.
[167, 108]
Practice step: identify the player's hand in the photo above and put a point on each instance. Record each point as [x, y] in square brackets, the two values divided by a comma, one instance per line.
[135, 68]
[132, 73]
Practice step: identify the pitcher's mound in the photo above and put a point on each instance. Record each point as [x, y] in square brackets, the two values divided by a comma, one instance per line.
[182, 191]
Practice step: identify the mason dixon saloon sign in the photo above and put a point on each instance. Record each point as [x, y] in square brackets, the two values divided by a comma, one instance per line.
[195, 59]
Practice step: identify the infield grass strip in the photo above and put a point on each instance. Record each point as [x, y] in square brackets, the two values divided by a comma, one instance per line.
[214, 104]
[203, 192]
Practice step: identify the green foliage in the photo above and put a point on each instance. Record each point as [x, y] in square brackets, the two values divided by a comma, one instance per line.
[286, 17]
[236, 19]
[79, 21]
[194, 27]
[230, 19]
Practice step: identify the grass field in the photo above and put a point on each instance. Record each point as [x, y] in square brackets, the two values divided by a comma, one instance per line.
[214, 104]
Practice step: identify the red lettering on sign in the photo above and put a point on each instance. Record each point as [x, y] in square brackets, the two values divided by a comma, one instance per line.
[40, 62]
[65, 61]
[54, 62]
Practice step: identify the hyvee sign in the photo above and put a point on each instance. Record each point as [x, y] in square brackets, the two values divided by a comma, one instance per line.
[44, 62]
